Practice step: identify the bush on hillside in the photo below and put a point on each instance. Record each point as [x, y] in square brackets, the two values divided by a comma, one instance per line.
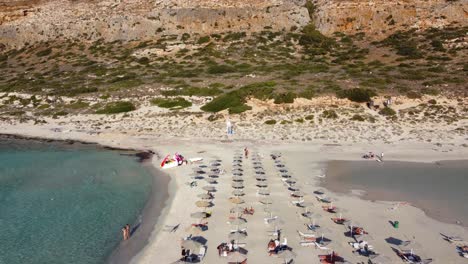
[116, 107]
[357, 94]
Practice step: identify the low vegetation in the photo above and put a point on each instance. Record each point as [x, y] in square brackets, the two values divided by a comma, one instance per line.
[116, 107]
[173, 103]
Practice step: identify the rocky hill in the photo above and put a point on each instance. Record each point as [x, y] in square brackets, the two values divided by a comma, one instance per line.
[44, 20]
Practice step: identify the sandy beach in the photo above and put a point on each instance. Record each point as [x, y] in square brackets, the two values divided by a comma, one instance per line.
[305, 162]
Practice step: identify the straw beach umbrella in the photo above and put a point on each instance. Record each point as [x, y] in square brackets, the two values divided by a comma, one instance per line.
[261, 178]
[286, 255]
[192, 245]
[237, 193]
[194, 229]
[205, 196]
[262, 184]
[236, 257]
[237, 178]
[237, 185]
[236, 200]
[238, 221]
[291, 180]
[264, 192]
[211, 180]
[199, 215]
[236, 210]
[266, 201]
[209, 188]
[237, 236]
[298, 194]
[203, 204]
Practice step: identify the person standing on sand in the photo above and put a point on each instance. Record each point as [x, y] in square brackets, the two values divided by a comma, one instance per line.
[124, 233]
[381, 156]
[246, 152]
[127, 227]
[229, 126]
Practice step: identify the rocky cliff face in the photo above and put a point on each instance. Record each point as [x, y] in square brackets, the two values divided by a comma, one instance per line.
[379, 18]
[24, 21]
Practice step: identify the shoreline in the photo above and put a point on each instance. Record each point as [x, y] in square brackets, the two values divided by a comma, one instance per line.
[334, 183]
[303, 159]
[125, 251]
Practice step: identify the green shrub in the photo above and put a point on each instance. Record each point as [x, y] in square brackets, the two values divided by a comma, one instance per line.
[203, 40]
[270, 122]
[357, 117]
[78, 105]
[225, 101]
[309, 117]
[175, 103]
[193, 91]
[44, 53]
[430, 91]
[220, 69]
[299, 120]
[143, 60]
[285, 98]
[331, 114]
[239, 109]
[314, 41]
[387, 111]
[116, 107]
[432, 101]
[413, 95]
[357, 94]
[234, 36]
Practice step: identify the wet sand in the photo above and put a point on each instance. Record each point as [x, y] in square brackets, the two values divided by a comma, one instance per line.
[438, 188]
[141, 230]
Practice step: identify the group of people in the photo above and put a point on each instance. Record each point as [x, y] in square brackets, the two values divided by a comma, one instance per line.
[225, 248]
[371, 155]
[274, 246]
[126, 232]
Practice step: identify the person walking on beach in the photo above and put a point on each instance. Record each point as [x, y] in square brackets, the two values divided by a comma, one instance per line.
[246, 152]
[127, 227]
[229, 127]
[381, 156]
[125, 233]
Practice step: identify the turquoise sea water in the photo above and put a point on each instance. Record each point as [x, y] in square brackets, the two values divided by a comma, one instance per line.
[66, 204]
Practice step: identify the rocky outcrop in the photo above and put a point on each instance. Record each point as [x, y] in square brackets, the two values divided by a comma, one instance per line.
[379, 18]
[23, 21]
[141, 19]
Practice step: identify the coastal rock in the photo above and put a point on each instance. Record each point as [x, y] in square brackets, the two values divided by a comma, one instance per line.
[24, 22]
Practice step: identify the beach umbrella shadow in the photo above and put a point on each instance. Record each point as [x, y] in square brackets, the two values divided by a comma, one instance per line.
[394, 241]
[200, 239]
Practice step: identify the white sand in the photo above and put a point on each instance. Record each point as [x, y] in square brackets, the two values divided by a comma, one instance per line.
[304, 162]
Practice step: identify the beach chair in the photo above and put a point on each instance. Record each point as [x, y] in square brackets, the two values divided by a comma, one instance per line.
[307, 243]
[239, 230]
[268, 219]
[202, 253]
[320, 246]
[307, 235]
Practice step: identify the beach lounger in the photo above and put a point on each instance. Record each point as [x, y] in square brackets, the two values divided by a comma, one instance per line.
[202, 252]
[321, 247]
[307, 243]
[239, 230]
[267, 220]
[307, 235]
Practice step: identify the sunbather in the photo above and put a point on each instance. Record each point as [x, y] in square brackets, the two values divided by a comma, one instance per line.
[339, 220]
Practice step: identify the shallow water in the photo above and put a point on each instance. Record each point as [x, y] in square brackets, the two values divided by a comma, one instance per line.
[440, 189]
[61, 204]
